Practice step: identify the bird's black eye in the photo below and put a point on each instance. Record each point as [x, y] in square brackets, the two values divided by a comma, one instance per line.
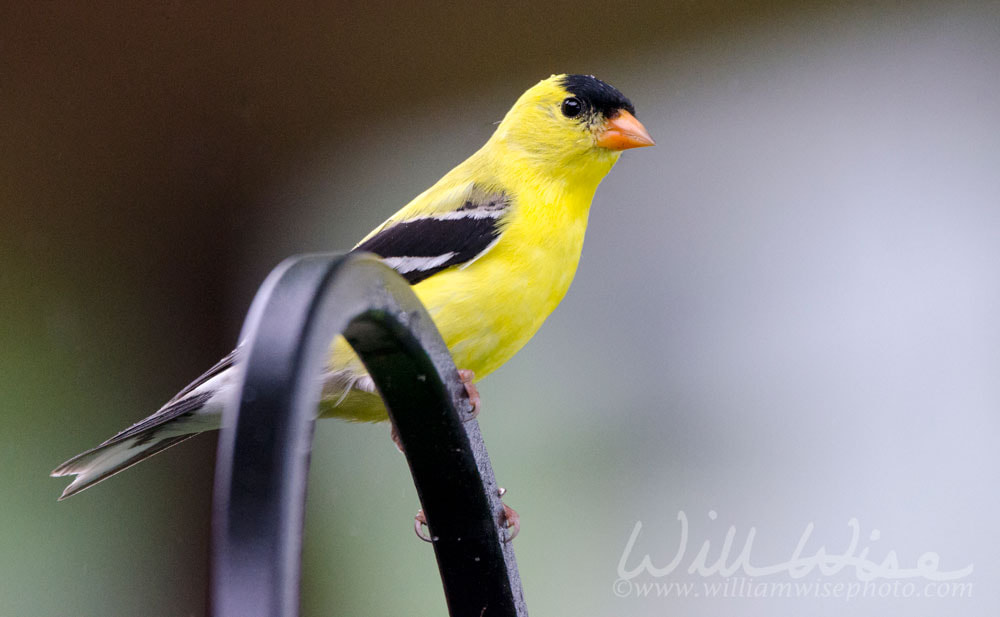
[572, 107]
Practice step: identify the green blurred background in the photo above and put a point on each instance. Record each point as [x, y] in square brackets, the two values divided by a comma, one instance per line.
[786, 312]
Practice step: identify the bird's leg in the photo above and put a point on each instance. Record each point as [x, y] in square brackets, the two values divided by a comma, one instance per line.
[511, 519]
[466, 376]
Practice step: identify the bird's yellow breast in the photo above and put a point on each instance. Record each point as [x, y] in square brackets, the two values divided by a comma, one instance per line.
[487, 310]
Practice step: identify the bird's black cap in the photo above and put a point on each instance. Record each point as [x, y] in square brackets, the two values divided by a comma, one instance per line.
[599, 96]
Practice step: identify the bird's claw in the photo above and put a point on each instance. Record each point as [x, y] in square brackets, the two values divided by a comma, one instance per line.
[466, 376]
[419, 522]
[394, 436]
[512, 522]
[511, 519]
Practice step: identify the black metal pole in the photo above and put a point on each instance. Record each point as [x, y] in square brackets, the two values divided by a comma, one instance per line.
[264, 444]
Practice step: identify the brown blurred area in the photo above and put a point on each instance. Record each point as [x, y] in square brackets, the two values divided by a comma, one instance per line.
[138, 141]
[141, 143]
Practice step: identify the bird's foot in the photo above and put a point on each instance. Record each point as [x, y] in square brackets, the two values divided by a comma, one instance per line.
[466, 376]
[511, 519]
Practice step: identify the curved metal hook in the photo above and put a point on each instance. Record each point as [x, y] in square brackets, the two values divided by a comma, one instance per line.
[264, 444]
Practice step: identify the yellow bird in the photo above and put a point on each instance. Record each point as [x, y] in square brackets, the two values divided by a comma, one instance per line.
[490, 250]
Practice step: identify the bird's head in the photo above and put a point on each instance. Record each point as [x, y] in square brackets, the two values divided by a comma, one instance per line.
[571, 125]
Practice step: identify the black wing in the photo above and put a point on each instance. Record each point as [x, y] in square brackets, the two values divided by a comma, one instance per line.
[219, 367]
[184, 403]
[147, 428]
[420, 247]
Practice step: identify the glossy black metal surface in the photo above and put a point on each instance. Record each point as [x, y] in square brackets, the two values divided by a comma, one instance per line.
[265, 442]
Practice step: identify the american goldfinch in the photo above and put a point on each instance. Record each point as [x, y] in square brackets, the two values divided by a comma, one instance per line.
[490, 250]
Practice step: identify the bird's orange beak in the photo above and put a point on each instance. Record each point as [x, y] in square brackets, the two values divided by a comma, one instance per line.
[623, 132]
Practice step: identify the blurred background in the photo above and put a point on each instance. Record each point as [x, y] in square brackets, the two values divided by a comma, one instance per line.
[785, 317]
